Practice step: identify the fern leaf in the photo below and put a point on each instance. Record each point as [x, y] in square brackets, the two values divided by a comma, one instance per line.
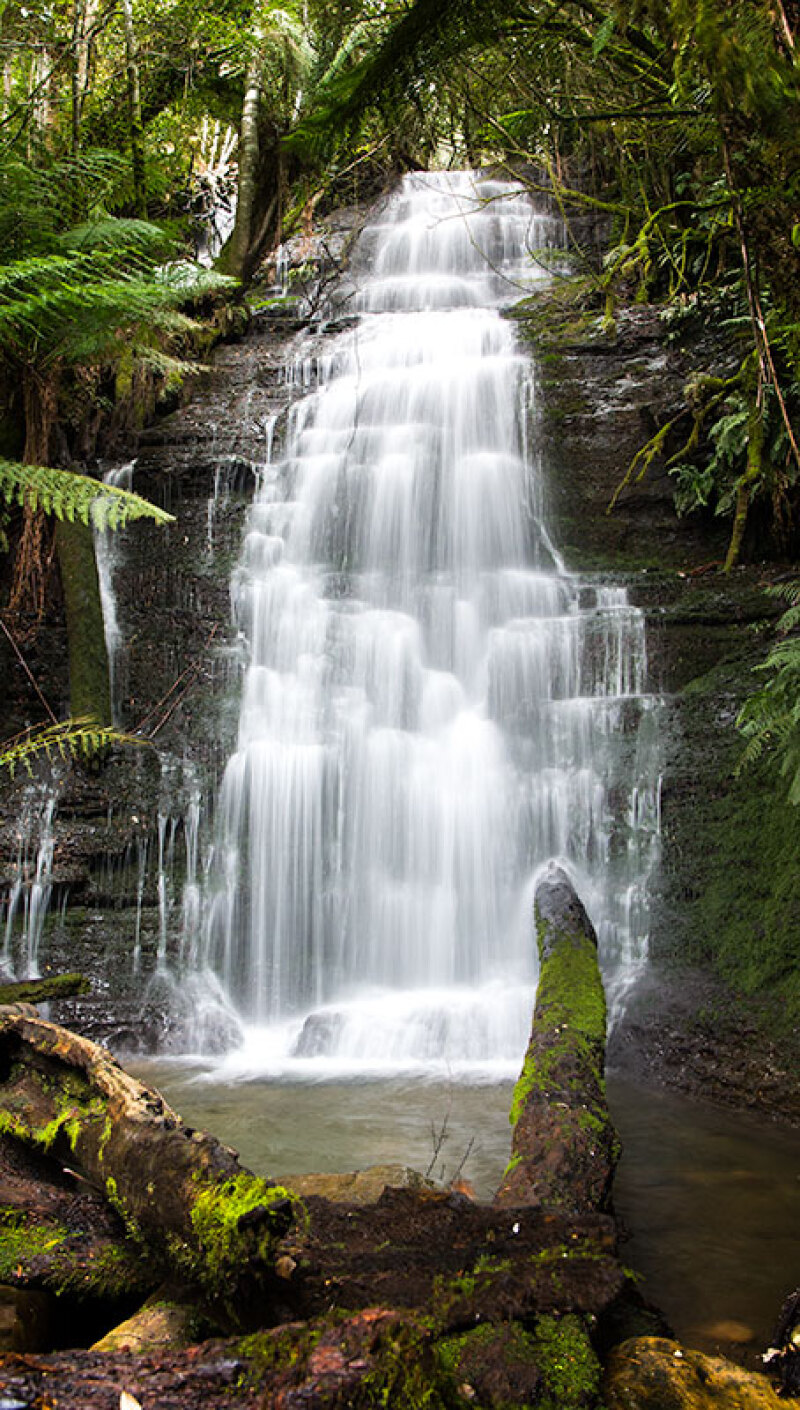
[69, 496]
[66, 740]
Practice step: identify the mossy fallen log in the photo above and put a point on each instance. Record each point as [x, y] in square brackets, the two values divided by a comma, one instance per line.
[183, 1196]
[565, 1148]
[43, 991]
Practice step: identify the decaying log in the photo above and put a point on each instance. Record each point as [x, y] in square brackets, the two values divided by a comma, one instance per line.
[565, 1148]
[182, 1195]
[43, 991]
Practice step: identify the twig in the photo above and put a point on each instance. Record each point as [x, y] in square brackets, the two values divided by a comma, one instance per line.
[26, 668]
[438, 1137]
[193, 667]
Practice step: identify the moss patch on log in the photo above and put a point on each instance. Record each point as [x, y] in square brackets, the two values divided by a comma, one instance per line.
[569, 1366]
[44, 991]
[237, 1223]
[564, 1148]
[51, 1256]
[571, 1003]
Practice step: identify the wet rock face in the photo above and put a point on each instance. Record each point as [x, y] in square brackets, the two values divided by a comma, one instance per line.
[565, 1147]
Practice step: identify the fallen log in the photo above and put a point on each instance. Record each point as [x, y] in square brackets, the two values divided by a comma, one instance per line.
[183, 1196]
[43, 991]
[565, 1148]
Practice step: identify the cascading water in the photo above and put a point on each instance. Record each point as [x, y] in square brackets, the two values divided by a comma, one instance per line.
[107, 554]
[433, 706]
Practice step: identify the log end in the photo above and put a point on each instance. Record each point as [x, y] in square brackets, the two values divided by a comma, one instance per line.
[237, 1224]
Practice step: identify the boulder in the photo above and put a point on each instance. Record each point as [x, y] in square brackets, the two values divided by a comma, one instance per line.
[358, 1186]
[164, 1321]
[652, 1373]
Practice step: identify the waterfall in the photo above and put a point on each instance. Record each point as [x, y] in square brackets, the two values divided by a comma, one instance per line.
[434, 707]
[25, 895]
[107, 553]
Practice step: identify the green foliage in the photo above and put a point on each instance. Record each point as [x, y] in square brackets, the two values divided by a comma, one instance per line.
[71, 739]
[72, 306]
[770, 717]
[73, 496]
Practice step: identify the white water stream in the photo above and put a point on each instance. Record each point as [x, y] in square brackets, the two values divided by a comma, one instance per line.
[434, 707]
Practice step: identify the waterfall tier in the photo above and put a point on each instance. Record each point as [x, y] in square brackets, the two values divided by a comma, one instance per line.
[433, 706]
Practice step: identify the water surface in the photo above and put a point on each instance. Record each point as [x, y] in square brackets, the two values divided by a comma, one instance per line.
[710, 1199]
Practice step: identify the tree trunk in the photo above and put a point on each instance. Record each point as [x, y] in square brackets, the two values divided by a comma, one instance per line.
[135, 126]
[237, 256]
[747, 482]
[89, 676]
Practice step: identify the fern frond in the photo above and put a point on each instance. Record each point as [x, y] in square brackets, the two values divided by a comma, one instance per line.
[115, 234]
[71, 739]
[166, 365]
[71, 496]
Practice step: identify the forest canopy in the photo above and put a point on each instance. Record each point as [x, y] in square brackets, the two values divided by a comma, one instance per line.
[675, 124]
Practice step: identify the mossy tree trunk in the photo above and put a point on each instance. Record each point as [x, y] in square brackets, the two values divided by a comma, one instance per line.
[749, 480]
[565, 1148]
[89, 677]
[261, 183]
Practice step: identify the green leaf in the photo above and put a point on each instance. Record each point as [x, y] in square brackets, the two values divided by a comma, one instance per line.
[603, 36]
[69, 496]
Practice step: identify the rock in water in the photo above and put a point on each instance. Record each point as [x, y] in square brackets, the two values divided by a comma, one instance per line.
[652, 1373]
[565, 1148]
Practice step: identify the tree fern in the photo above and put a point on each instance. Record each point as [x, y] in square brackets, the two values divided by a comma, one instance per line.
[770, 718]
[71, 739]
[70, 496]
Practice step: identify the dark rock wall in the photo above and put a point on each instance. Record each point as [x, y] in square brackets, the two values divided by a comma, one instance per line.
[725, 935]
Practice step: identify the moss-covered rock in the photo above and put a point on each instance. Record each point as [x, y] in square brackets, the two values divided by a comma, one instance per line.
[164, 1320]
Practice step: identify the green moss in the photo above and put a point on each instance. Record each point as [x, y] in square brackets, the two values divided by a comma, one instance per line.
[132, 1226]
[276, 1350]
[568, 1364]
[105, 1137]
[730, 854]
[570, 1002]
[21, 1241]
[226, 1241]
[108, 1270]
[408, 1376]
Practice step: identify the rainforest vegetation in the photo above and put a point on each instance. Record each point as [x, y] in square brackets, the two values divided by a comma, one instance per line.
[675, 126]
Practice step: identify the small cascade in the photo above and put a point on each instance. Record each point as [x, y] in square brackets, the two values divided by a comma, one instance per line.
[28, 892]
[107, 552]
[434, 707]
